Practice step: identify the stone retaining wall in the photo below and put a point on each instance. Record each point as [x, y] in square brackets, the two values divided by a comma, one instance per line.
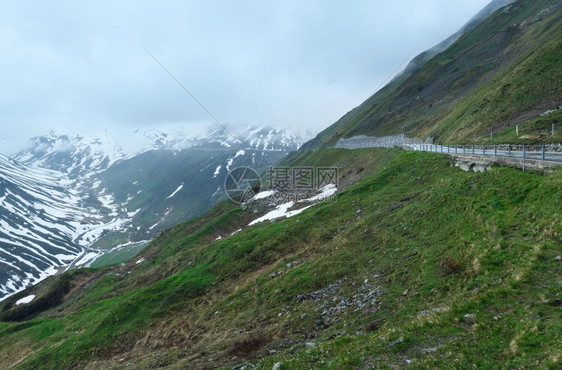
[363, 141]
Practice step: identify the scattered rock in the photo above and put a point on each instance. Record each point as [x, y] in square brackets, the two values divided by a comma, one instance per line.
[272, 351]
[337, 334]
[558, 258]
[393, 343]
[470, 316]
[323, 293]
[276, 366]
[331, 303]
[429, 350]
[472, 166]
[433, 310]
[405, 292]
[479, 168]
[465, 166]
[275, 274]
[309, 344]
[358, 212]
[244, 367]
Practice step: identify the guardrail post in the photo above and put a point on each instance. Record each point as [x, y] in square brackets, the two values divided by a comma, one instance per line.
[448, 149]
[495, 150]
[524, 151]
[473, 150]
[509, 150]
[463, 149]
[441, 148]
[483, 150]
[543, 152]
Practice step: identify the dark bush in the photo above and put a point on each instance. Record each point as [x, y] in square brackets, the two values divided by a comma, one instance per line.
[249, 346]
[451, 265]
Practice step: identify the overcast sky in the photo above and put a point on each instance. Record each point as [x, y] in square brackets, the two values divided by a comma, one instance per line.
[77, 65]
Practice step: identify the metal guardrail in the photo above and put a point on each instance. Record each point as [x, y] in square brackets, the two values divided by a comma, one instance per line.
[551, 153]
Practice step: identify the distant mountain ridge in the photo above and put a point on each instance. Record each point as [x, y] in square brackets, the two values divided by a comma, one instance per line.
[87, 154]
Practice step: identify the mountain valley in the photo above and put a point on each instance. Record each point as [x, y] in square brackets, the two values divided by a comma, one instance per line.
[399, 259]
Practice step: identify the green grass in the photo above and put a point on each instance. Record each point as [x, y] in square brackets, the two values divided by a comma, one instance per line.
[111, 240]
[467, 243]
[118, 256]
[534, 131]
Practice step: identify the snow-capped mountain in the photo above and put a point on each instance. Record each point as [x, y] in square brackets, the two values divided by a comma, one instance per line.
[69, 198]
[76, 155]
[87, 154]
[44, 224]
[251, 138]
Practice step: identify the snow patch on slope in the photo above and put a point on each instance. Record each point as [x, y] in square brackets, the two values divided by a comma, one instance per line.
[25, 300]
[176, 191]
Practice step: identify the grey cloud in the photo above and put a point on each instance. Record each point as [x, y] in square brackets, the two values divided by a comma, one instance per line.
[279, 63]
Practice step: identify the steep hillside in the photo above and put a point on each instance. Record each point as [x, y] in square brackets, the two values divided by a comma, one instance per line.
[503, 72]
[424, 57]
[417, 263]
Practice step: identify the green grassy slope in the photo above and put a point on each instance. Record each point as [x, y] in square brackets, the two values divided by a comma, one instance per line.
[406, 252]
[504, 72]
